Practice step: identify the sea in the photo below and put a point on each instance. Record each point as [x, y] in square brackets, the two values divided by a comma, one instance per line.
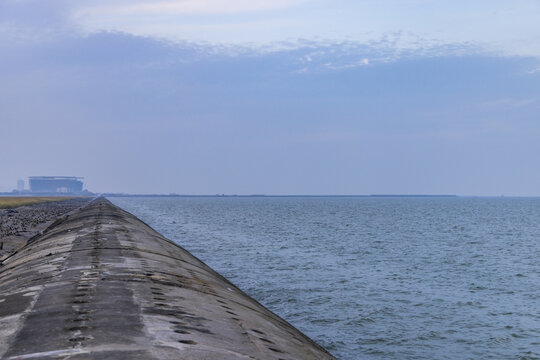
[375, 278]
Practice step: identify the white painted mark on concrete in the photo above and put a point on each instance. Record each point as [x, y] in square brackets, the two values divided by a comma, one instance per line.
[63, 352]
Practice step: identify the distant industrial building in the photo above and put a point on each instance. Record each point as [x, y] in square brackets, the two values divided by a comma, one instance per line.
[20, 185]
[55, 184]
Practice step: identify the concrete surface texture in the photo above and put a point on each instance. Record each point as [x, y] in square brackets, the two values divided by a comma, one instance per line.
[103, 285]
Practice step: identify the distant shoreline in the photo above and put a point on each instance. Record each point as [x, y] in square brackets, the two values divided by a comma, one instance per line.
[319, 196]
[91, 195]
[273, 196]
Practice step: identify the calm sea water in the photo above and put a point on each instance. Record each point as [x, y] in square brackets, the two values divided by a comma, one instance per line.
[376, 278]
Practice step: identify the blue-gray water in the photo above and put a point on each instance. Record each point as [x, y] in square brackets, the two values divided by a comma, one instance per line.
[376, 278]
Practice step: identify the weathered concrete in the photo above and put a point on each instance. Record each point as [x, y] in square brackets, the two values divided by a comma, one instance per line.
[103, 285]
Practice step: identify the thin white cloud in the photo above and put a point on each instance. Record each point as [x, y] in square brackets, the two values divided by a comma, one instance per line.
[508, 28]
[509, 103]
[184, 7]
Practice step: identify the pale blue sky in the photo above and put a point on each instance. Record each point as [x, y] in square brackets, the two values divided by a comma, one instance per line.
[275, 97]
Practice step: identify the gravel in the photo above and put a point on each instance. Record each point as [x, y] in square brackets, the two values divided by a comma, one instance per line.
[19, 224]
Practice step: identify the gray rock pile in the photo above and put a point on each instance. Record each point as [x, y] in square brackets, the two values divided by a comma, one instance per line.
[20, 224]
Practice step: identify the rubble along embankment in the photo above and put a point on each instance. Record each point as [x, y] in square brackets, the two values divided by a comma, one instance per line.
[20, 224]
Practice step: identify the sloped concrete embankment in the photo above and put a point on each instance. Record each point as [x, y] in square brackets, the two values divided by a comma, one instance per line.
[102, 284]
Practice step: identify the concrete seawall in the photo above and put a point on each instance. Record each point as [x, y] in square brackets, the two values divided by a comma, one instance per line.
[103, 285]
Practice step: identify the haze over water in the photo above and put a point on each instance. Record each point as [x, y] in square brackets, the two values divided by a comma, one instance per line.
[375, 278]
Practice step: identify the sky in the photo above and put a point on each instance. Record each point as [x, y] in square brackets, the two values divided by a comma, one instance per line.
[273, 96]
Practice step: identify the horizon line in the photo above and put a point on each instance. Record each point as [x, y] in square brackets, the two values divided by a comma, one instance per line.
[307, 195]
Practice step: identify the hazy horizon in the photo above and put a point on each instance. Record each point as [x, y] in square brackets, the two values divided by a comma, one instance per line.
[311, 97]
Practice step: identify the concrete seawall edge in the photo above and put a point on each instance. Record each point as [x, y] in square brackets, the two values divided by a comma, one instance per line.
[103, 284]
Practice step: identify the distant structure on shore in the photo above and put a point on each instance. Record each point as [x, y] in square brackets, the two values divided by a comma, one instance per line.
[20, 185]
[55, 184]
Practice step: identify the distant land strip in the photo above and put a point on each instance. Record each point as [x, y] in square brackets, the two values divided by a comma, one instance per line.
[272, 196]
[16, 201]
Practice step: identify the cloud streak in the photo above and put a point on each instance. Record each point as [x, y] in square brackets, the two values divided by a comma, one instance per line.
[183, 7]
[508, 29]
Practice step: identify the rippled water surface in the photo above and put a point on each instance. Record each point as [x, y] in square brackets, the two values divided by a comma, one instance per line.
[376, 278]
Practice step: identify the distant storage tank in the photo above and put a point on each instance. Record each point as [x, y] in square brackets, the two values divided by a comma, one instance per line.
[55, 184]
